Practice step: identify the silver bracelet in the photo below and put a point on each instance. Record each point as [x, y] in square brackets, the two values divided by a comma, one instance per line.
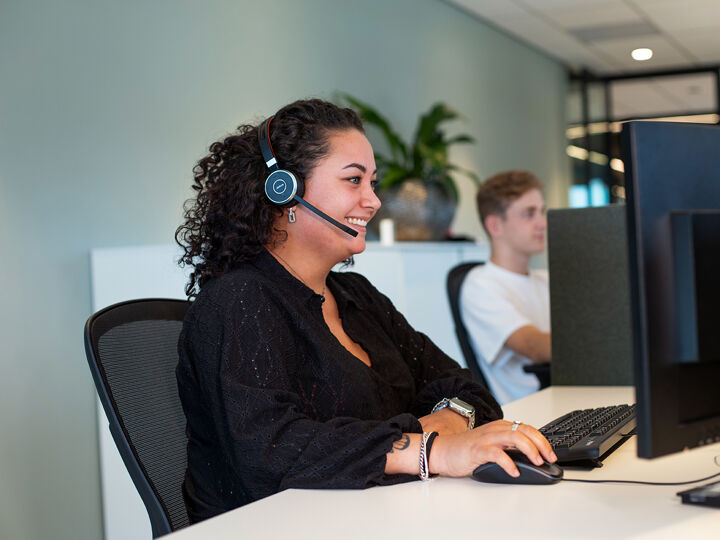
[424, 467]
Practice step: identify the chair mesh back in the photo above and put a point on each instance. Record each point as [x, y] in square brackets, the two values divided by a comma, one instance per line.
[455, 279]
[139, 360]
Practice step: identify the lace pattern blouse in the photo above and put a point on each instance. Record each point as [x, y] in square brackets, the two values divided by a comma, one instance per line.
[274, 401]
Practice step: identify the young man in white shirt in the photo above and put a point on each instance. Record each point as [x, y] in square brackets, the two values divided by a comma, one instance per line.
[506, 306]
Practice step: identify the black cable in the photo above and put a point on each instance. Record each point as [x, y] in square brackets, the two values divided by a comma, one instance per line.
[641, 482]
[716, 459]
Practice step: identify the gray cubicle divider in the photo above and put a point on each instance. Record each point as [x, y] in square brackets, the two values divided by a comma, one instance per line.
[589, 297]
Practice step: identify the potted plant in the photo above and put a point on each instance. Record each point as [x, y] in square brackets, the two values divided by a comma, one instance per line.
[415, 185]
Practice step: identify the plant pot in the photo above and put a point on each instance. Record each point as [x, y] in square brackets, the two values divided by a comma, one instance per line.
[421, 211]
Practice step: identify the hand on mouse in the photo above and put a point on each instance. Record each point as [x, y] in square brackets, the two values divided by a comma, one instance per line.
[460, 454]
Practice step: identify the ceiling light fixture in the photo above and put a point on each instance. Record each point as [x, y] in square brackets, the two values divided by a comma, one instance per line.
[642, 54]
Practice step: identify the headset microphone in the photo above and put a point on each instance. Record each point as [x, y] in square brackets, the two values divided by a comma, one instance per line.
[283, 187]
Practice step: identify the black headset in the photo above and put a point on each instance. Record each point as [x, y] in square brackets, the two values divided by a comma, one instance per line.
[284, 188]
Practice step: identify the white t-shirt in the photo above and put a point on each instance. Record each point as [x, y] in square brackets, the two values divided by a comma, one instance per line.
[494, 302]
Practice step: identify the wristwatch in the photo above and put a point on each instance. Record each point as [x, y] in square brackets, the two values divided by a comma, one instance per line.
[457, 405]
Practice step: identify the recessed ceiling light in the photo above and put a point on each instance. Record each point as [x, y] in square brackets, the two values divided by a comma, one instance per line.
[642, 54]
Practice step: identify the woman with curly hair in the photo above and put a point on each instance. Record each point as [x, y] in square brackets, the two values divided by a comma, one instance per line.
[294, 376]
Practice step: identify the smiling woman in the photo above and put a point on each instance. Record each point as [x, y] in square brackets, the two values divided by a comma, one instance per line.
[294, 376]
[342, 184]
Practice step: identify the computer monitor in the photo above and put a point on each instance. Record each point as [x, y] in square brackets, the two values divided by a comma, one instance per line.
[672, 181]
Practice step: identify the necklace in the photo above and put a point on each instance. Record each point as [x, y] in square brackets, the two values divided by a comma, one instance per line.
[292, 270]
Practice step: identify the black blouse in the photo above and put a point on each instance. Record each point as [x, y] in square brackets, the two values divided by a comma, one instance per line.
[274, 401]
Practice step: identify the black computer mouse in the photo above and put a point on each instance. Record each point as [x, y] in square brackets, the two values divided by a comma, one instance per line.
[547, 473]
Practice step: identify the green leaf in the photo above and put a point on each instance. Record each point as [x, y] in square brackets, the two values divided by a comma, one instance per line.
[428, 127]
[371, 116]
[426, 158]
[393, 176]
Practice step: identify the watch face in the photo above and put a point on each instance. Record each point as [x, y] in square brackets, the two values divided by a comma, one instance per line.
[462, 407]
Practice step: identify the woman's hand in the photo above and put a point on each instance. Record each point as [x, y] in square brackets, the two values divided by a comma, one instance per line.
[445, 422]
[459, 454]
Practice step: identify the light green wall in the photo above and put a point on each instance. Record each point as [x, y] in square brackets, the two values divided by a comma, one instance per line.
[104, 107]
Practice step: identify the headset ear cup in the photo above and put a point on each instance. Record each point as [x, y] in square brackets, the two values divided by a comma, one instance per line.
[281, 186]
[300, 186]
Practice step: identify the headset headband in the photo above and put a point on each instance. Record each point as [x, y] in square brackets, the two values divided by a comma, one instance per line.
[266, 146]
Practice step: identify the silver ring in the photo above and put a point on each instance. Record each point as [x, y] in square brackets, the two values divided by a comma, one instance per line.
[515, 425]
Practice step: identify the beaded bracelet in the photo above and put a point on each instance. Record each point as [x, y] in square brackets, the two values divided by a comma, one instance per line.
[425, 446]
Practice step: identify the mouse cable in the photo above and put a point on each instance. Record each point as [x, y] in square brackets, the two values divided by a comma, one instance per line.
[716, 459]
[642, 482]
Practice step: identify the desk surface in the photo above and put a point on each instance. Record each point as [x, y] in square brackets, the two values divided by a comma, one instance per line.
[444, 507]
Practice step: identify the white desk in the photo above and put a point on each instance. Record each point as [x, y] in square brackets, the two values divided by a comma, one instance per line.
[462, 508]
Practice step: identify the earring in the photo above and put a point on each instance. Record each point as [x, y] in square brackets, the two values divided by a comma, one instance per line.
[291, 215]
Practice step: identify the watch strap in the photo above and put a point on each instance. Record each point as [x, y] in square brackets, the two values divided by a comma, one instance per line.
[458, 406]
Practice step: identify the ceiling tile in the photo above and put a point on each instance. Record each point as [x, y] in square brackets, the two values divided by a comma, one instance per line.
[490, 10]
[596, 14]
[703, 44]
[692, 28]
[613, 31]
[676, 15]
[547, 5]
[558, 44]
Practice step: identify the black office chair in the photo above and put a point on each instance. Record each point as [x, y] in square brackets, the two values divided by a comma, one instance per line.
[455, 279]
[541, 371]
[132, 351]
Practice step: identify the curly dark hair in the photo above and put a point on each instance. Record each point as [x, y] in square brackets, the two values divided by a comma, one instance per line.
[231, 219]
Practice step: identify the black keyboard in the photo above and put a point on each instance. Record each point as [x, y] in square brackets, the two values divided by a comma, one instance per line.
[587, 435]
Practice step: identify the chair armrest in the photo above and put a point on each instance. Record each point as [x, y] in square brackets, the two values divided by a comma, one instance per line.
[541, 371]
